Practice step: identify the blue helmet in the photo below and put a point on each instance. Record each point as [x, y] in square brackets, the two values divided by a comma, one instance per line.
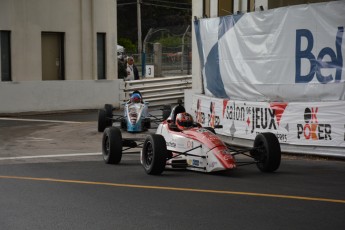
[135, 98]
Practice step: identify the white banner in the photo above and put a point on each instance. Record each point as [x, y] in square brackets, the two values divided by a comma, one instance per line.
[298, 123]
[291, 53]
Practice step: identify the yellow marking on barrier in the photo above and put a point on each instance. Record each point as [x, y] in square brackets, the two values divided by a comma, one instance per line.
[176, 189]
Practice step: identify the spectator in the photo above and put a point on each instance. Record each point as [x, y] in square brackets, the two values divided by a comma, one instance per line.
[132, 70]
[121, 68]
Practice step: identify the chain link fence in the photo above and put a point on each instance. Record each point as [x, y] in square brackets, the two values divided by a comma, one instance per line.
[176, 52]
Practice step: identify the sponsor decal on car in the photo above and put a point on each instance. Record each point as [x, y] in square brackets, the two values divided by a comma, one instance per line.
[171, 144]
[213, 164]
[195, 162]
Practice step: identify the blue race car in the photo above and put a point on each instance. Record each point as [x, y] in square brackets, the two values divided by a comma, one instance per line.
[135, 118]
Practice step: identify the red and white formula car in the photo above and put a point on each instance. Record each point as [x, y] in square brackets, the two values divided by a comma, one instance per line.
[197, 148]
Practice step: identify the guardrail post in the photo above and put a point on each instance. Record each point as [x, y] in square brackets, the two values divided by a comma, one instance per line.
[157, 61]
[143, 65]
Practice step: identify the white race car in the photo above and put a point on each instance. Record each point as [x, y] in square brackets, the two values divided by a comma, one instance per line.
[196, 148]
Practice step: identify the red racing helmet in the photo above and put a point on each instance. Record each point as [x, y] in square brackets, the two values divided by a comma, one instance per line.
[184, 121]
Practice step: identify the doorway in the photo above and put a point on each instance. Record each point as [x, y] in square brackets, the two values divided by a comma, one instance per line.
[53, 63]
[101, 74]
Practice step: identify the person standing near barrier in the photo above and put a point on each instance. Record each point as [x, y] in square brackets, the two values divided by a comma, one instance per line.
[121, 68]
[132, 70]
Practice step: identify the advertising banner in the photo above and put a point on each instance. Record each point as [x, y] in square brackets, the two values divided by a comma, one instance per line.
[298, 123]
[290, 54]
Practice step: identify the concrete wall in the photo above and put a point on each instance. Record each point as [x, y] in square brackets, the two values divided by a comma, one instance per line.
[80, 20]
[42, 96]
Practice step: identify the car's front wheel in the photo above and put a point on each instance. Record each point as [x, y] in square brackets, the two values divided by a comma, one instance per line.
[267, 152]
[112, 145]
[154, 154]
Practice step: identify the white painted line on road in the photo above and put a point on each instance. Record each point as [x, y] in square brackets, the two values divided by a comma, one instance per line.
[34, 139]
[48, 156]
[39, 120]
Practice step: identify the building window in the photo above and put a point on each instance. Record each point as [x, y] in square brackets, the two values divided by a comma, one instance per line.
[281, 3]
[53, 62]
[250, 5]
[206, 8]
[5, 56]
[225, 7]
[101, 56]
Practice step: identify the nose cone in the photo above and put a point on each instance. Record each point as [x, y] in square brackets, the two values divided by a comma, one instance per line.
[225, 158]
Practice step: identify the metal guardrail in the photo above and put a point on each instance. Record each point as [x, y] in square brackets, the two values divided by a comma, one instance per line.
[158, 91]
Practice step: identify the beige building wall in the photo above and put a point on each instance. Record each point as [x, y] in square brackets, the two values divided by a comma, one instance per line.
[79, 20]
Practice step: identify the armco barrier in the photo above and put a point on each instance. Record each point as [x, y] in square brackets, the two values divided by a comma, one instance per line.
[48, 96]
[158, 91]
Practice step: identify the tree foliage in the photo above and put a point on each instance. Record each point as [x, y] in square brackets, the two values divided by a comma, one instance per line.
[153, 15]
[128, 44]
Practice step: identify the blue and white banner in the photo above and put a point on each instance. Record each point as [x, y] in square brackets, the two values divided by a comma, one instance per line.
[290, 54]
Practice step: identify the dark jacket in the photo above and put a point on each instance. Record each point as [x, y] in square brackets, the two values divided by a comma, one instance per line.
[136, 72]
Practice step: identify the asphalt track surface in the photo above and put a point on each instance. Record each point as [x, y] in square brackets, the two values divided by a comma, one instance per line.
[52, 176]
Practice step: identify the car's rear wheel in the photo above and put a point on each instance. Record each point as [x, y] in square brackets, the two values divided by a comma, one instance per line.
[267, 152]
[109, 110]
[112, 145]
[166, 111]
[154, 154]
[102, 120]
[147, 123]
[109, 114]
[123, 123]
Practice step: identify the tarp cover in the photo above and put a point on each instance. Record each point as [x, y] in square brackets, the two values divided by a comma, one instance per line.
[291, 53]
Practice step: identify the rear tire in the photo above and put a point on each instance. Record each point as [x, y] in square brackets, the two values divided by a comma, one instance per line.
[147, 123]
[109, 114]
[102, 120]
[267, 152]
[166, 111]
[123, 123]
[154, 154]
[112, 145]
[108, 110]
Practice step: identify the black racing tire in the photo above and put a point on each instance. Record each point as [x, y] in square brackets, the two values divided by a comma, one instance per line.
[112, 145]
[108, 109]
[210, 129]
[267, 152]
[109, 114]
[166, 111]
[123, 123]
[102, 120]
[147, 123]
[154, 154]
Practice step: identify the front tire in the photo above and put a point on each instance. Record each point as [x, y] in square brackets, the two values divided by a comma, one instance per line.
[154, 154]
[267, 152]
[112, 145]
[147, 123]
